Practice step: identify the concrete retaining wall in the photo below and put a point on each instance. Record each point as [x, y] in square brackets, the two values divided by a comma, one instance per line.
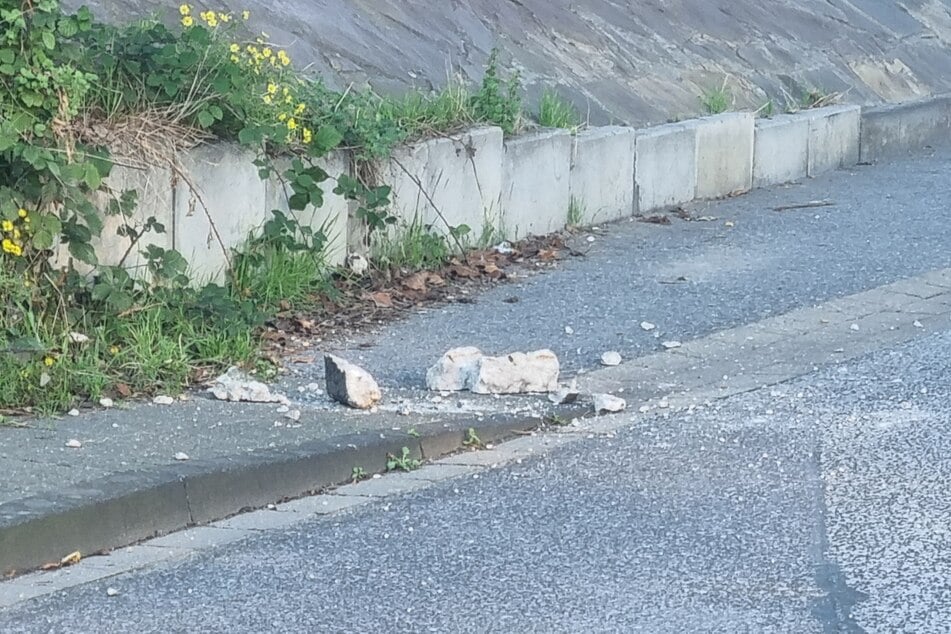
[781, 150]
[665, 166]
[833, 137]
[602, 173]
[525, 185]
[536, 193]
[449, 182]
[331, 217]
[898, 129]
[724, 154]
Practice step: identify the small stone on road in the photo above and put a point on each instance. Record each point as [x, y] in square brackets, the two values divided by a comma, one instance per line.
[611, 358]
[608, 404]
[72, 443]
[163, 400]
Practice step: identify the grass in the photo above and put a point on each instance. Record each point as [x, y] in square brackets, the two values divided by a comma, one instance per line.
[717, 100]
[414, 246]
[556, 112]
[576, 212]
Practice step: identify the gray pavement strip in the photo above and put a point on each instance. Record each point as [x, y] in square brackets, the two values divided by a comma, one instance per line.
[759, 355]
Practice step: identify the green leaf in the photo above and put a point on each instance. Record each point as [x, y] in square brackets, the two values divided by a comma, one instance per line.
[206, 119]
[327, 138]
[49, 40]
[250, 136]
[42, 240]
[298, 202]
[83, 252]
[92, 178]
[7, 56]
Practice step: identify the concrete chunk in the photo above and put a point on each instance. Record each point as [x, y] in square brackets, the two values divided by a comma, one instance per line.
[536, 192]
[518, 373]
[350, 384]
[602, 173]
[665, 171]
[455, 371]
[780, 150]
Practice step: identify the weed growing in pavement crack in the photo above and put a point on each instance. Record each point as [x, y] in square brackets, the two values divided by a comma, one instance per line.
[472, 440]
[404, 462]
[412, 432]
[557, 421]
[357, 474]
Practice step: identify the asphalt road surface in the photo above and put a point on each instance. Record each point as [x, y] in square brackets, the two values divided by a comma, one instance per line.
[819, 505]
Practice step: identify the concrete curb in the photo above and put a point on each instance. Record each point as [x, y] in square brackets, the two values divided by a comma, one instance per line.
[126, 508]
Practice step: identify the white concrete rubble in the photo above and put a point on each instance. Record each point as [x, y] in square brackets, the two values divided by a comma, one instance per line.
[350, 384]
[518, 373]
[608, 404]
[455, 371]
[236, 386]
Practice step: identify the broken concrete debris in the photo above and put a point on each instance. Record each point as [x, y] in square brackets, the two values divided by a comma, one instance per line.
[234, 385]
[455, 371]
[350, 384]
[608, 404]
[515, 373]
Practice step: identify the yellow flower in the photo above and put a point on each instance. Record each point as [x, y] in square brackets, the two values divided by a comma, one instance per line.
[7, 225]
[234, 48]
[307, 135]
[212, 21]
[187, 21]
[114, 350]
[245, 15]
[299, 110]
[268, 100]
[284, 59]
[266, 52]
[16, 234]
[185, 9]
[224, 17]
[291, 124]
[49, 361]
[235, 59]
[282, 116]
[22, 213]
[272, 88]
[8, 245]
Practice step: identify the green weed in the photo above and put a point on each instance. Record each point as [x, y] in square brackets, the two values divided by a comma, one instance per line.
[576, 212]
[415, 246]
[404, 462]
[717, 100]
[556, 112]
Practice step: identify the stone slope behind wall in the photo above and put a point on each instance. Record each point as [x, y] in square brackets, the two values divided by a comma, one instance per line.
[633, 62]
